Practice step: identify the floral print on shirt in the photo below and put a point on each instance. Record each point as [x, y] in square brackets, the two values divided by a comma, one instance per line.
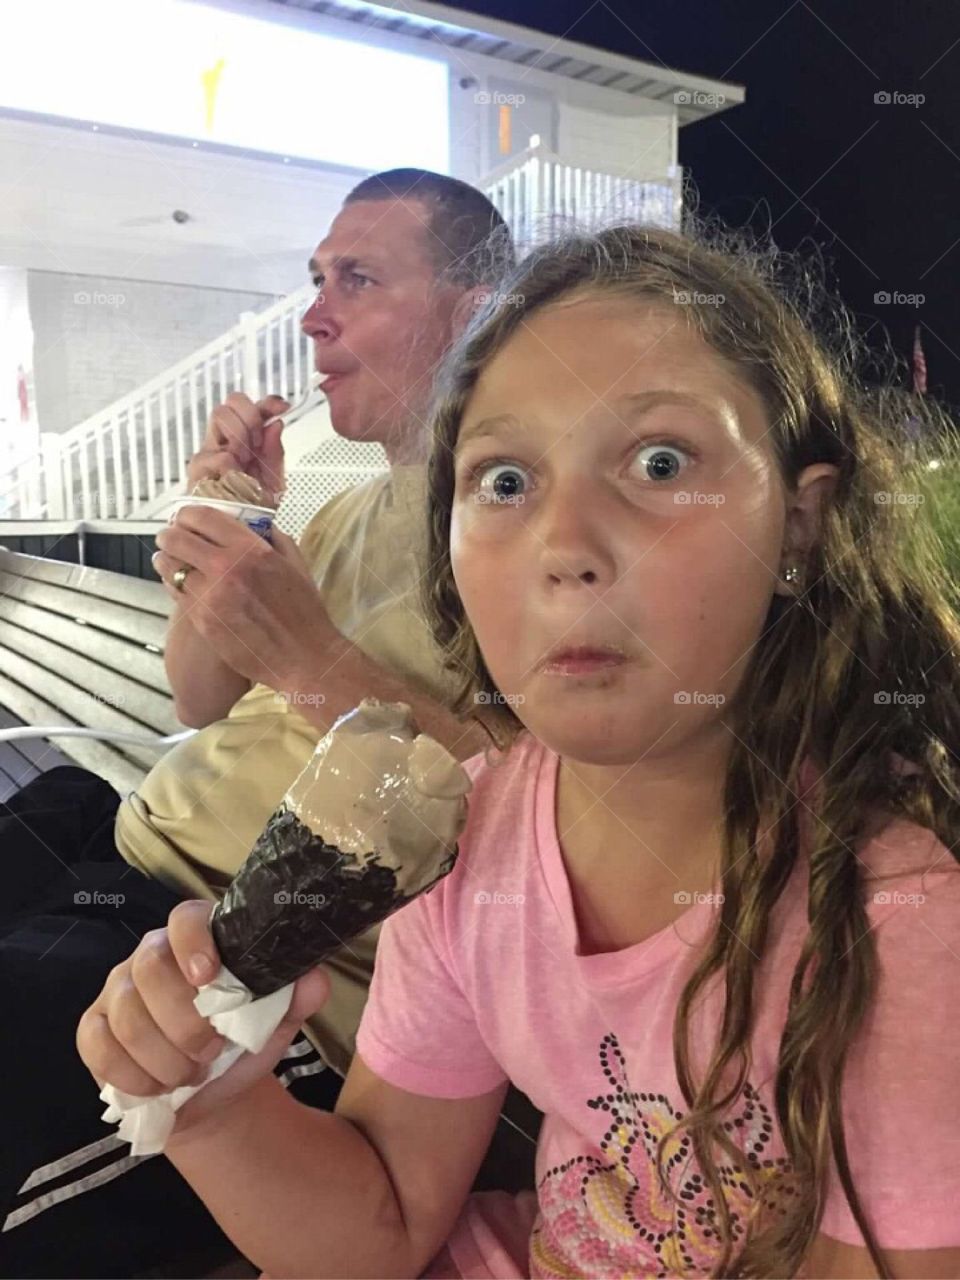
[611, 1218]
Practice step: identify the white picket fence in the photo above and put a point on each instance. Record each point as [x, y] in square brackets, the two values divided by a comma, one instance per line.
[128, 459]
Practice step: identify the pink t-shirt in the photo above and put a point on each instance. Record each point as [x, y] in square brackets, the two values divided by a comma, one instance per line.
[482, 980]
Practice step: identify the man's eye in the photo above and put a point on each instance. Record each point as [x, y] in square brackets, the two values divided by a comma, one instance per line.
[501, 483]
[661, 461]
[356, 276]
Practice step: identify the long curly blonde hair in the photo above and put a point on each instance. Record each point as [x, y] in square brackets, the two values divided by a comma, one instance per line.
[874, 617]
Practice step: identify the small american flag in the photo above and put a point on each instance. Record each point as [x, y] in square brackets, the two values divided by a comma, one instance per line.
[919, 365]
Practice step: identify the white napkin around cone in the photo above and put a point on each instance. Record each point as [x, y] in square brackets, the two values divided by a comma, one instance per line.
[245, 1022]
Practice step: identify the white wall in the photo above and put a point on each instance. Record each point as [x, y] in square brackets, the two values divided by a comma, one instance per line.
[17, 438]
[603, 129]
[80, 201]
[99, 337]
[635, 146]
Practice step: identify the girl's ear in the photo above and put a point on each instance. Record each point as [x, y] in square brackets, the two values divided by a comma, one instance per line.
[815, 484]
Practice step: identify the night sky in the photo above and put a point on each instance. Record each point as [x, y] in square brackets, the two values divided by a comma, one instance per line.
[876, 186]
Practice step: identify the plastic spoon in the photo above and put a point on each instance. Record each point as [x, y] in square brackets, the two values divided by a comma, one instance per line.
[311, 395]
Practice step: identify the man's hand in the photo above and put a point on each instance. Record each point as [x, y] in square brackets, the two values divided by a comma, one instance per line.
[254, 602]
[237, 440]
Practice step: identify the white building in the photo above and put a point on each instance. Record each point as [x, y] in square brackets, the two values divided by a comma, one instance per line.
[254, 118]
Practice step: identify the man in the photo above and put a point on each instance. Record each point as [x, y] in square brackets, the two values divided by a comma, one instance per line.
[267, 646]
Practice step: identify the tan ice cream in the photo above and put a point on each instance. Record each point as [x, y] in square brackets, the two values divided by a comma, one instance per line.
[234, 486]
[376, 785]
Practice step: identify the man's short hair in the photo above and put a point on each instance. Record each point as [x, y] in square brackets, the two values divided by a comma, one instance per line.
[467, 238]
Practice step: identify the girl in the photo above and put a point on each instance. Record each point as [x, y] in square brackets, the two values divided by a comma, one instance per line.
[705, 912]
[706, 908]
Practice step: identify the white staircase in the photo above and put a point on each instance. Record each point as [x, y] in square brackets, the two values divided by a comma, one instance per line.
[126, 461]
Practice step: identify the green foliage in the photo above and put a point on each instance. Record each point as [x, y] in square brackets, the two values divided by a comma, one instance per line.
[935, 524]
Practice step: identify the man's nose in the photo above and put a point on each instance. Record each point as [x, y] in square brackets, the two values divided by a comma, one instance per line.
[318, 322]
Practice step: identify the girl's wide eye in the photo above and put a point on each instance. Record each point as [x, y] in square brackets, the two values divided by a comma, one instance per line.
[661, 461]
[500, 482]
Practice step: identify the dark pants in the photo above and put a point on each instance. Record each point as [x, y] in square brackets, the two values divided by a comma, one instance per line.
[73, 1202]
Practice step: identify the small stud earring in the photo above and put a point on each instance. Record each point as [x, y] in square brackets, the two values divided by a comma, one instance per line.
[791, 574]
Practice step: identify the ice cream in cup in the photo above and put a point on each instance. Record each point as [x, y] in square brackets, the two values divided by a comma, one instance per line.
[238, 495]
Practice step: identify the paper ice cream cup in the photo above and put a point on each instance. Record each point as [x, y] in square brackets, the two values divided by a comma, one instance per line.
[259, 519]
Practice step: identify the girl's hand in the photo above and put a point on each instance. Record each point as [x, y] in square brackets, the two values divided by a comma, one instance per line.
[143, 1035]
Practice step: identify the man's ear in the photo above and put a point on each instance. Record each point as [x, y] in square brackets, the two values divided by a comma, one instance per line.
[469, 302]
[815, 484]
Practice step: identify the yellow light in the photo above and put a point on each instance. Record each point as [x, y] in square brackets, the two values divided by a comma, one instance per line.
[505, 147]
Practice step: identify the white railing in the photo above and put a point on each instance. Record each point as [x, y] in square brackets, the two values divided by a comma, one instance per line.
[130, 458]
[539, 196]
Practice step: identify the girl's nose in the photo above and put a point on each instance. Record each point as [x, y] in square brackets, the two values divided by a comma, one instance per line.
[574, 547]
[570, 570]
[588, 576]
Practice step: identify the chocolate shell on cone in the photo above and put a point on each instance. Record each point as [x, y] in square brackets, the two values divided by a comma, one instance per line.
[296, 900]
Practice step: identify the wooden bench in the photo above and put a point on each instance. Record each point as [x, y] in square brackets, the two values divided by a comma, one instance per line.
[81, 646]
[85, 646]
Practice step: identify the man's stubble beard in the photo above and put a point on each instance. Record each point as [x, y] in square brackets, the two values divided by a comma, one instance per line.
[396, 426]
[403, 419]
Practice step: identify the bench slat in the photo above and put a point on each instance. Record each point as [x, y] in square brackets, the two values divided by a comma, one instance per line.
[132, 624]
[9, 783]
[17, 767]
[99, 686]
[76, 704]
[100, 757]
[124, 656]
[40, 753]
[103, 584]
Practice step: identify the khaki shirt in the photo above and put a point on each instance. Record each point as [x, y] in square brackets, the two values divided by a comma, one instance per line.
[200, 809]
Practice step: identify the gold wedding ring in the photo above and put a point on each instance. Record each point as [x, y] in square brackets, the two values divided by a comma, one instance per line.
[180, 577]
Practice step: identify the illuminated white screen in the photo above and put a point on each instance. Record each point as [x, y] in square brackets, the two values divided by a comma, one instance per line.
[190, 71]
